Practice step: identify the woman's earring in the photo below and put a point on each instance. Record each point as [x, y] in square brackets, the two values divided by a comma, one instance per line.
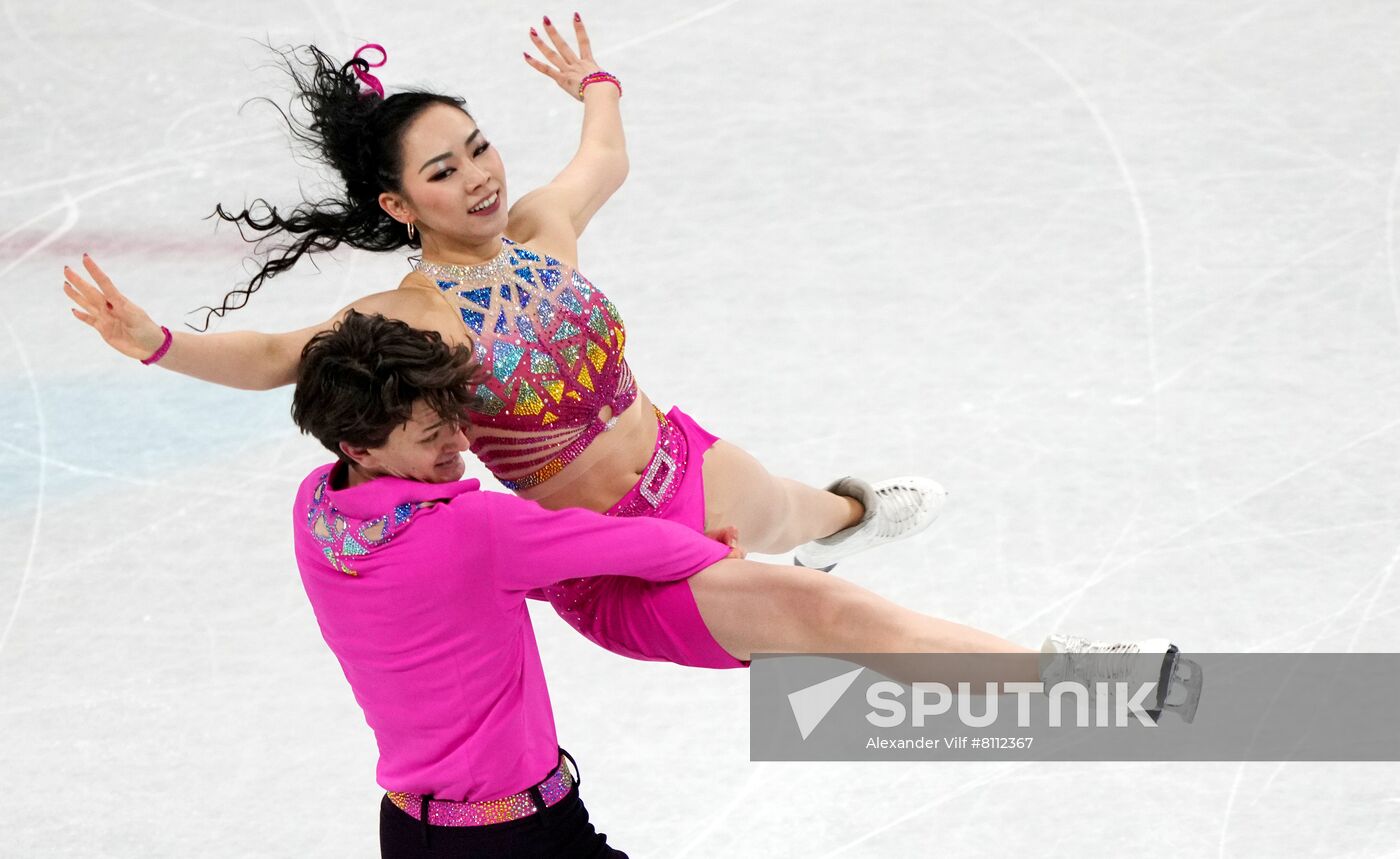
[412, 233]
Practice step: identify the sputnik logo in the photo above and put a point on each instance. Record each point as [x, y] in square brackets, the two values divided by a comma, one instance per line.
[810, 705]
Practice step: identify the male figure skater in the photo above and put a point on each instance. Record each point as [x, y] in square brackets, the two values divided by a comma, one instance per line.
[418, 581]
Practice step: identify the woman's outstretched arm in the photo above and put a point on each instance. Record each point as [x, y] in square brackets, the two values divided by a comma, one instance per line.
[250, 360]
[558, 212]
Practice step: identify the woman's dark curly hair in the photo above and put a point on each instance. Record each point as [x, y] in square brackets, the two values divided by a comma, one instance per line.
[359, 135]
[361, 379]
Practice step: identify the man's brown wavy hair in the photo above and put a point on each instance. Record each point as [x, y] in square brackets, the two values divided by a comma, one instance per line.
[360, 380]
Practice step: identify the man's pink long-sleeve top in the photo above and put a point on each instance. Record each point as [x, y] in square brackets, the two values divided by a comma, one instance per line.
[419, 590]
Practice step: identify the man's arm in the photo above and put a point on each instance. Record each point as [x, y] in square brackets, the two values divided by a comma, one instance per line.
[535, 547]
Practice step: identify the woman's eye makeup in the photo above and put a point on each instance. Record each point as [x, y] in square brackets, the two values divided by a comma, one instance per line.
[448, 171]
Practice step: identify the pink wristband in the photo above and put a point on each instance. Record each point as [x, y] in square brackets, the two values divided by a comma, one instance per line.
[596, 77]
[164, 347]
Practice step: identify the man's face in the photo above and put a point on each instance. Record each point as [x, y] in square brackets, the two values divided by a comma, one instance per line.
[427, 449]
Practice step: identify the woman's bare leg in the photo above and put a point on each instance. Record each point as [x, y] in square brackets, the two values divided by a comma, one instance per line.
[765, 608]
[773, 514]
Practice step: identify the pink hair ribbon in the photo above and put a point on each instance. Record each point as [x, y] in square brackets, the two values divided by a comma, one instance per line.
[363, 74]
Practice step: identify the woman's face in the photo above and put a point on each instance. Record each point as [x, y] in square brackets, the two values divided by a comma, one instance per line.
[449, 168]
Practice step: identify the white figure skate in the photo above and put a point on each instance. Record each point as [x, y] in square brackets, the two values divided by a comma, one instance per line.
[1179, 680]
[894, 509]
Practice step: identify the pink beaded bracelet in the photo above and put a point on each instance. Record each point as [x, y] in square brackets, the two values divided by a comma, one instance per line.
[164, 347]
[594, 78]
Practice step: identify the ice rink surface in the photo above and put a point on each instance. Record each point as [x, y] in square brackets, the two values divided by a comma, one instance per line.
[1123, 276]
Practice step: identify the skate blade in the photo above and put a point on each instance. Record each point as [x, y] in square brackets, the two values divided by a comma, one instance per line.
[1184, 691]
[825, 569]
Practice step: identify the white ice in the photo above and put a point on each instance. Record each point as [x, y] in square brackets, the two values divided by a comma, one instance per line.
[1123, 276]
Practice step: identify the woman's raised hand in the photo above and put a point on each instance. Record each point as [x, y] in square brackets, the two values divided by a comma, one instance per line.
[567, 68]
[121, 323]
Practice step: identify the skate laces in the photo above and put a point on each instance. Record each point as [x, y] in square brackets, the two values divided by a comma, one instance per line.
[898, 510]
[1107, 660]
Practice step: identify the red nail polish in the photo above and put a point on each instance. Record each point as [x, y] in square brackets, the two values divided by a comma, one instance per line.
[546, 21]
[532, 32]
[577, 18]
[525, 55]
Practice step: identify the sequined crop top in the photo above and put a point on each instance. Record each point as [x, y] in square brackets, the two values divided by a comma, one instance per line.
[551, 345]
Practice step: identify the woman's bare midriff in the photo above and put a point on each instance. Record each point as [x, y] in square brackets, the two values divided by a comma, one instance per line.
[605, 470]
[611, 464]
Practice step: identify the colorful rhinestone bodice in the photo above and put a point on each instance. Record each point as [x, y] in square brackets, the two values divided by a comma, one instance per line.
[551, 345]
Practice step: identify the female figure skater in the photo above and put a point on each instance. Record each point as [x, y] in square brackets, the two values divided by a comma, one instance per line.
[560, 419]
